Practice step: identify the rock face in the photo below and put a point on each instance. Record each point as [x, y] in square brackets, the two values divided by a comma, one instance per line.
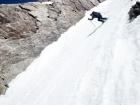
[76, 4]
[134, 11]
[25, 29]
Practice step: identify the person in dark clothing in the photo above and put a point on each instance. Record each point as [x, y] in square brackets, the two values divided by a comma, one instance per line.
[98, 16]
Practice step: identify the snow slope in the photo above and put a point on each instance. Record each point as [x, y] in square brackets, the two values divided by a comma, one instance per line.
[102, 69]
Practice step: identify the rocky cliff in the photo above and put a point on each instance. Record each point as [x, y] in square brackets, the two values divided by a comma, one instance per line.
[25, 29]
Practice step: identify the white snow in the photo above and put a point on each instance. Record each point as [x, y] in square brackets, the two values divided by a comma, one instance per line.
[102, 69]
[48, 2]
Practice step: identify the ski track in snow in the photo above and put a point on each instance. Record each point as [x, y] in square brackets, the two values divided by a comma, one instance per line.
[102, 69]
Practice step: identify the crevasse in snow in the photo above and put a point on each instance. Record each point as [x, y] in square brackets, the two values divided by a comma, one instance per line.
[102, 69]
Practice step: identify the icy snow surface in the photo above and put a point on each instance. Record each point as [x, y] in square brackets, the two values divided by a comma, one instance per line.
[102, 69]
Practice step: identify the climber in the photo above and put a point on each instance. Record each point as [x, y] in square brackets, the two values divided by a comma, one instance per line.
[98, 16]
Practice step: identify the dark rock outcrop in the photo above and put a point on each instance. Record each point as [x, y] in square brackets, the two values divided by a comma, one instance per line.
[134, 11]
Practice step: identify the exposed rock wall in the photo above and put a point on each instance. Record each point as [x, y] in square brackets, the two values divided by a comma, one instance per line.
[77, 4]
[134, 11]
[26, 29]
